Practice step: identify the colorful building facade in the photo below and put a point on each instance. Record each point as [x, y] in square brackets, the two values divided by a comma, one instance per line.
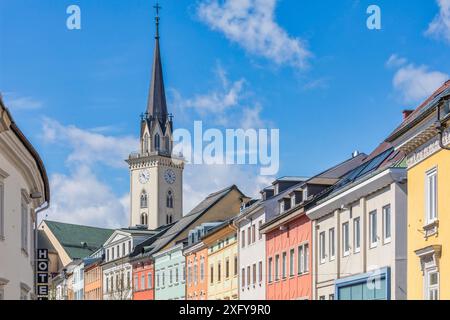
[425, 139]
[143, 279]
[223, 275]
[170, 274]
[93, 289]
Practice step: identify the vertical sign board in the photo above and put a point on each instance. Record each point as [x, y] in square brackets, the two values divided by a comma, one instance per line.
[42, 274]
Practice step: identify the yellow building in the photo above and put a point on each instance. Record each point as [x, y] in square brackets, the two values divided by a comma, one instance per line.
[223, 263]
[424, 136]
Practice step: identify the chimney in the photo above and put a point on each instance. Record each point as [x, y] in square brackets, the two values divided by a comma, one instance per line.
[406, 113]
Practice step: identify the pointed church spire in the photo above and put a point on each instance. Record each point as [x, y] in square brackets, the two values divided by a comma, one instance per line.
[156, 106]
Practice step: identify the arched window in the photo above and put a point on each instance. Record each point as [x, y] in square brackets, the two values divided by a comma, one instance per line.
[145, 147]
[144, 219]
[144, 200]
[157, 142]
[169, 199]
[167, 144]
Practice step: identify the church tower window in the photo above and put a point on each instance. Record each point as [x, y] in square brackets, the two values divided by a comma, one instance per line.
[145, 146]
[169, 199]
[144, 219]
[157, 142]
[144, 200]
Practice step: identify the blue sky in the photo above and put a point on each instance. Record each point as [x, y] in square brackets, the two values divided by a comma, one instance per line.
[310, 68]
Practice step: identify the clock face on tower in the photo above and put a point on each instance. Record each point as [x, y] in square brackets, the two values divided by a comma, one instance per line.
[170, 176]
[144, 176]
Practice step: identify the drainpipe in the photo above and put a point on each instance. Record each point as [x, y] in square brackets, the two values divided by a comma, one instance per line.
[440, 125]
[43, 207]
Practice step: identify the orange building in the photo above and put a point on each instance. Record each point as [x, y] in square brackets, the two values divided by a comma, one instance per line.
[143, 276]
[196, 262]
[93, 281]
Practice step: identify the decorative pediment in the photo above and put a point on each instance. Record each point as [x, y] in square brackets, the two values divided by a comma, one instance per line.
[429, 256]
[117, 237]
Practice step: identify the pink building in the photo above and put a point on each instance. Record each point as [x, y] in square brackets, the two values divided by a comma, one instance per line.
[288, 252]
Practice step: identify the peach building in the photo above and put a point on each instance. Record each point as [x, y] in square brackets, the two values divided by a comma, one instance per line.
[196, 262]
[143, 279]
[93, 280]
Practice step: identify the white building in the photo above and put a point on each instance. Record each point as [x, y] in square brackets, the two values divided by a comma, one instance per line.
[252, 250]
[24, 189]
[359, 233]
[117, 271]
[78, 281]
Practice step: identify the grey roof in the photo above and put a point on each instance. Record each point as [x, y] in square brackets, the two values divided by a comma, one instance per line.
[291, 179]
[156, 105]
[190, 218]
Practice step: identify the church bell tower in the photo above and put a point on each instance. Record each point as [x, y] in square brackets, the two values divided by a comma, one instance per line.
[156, 178]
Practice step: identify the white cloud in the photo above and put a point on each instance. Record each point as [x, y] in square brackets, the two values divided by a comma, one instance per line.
[89, 146]
[15, 102]
[414, 83]
[80, 197]
[440, 26]
[251, 24]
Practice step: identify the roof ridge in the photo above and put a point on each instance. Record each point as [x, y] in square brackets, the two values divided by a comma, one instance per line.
[76, 225]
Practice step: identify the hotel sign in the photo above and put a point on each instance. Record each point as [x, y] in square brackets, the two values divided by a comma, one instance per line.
[42, 274]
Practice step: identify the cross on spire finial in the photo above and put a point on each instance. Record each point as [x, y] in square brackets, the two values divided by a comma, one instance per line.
[157, 8]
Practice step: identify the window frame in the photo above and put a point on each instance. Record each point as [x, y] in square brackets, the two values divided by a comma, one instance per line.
[332, 243]
[387, 211]
[357, 235]
[431, 217]
[322, 247]
[373, 229]
[346, 239]
[428, 287]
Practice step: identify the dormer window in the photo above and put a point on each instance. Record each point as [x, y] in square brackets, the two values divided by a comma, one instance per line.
[305, 194]
[281, 206]
[293, 201]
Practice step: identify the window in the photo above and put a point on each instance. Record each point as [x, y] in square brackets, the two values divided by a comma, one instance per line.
[332, 244]
[171, 276]
[144, 200]
[322, 298]
[345, 239]
[322, 247]
[219, 271]
[432, 284]
[281, 206]
[145, 149]
[149, 281]
[183, 268]
[284, 265]
[112, 253]
[357, 235]
[235, 265]
[253, 233]
[243, 277]
[123, 248]
[260, 272]
[143, 282]
[195, 273]
[277, 267]
[136, 283]
[373, 229]
[249, 236]
[387, 224]
[306, 257]
[129, 246]
[24, 226]
[2, 213]
[227, 268]
[212, 274]
[157, 142]
[177, 277]
[259, 229]
[107, 255]
[202, 269]
[270, 270]
[331, 297]
[243, 238]
[291, 262]
[431, 194]
[303, 258]
[254, 274]
[169, 199]
[157, 279]
[189, 275]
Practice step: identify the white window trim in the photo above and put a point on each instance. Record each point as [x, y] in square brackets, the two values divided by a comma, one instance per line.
[357, 248]
[426, 282]
[371, 243]
[346, 251]
[387, 240]
[429, 173]
[322, 252]
[332, 248]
